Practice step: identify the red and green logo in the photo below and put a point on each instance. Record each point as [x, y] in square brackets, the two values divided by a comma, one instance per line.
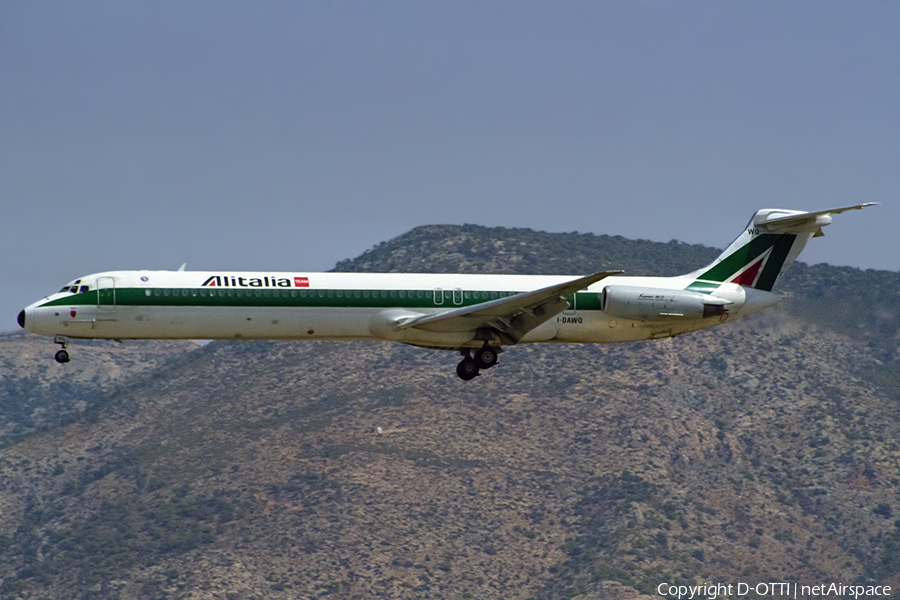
[756, 264]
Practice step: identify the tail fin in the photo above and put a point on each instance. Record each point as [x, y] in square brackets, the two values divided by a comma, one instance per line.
[765, 249]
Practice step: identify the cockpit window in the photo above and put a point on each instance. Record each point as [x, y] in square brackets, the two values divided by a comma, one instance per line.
[73, 287]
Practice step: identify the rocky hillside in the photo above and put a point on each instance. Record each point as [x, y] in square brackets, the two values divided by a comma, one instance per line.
[37, 393]
[764, 450]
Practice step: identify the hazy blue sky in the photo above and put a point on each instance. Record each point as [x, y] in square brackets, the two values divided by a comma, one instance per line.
[291, 135]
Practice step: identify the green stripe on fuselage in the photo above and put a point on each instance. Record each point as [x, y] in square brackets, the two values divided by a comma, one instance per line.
[278, 297]
[703, 287]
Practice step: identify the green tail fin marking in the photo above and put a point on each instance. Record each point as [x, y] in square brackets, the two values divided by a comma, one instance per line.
[764, 268]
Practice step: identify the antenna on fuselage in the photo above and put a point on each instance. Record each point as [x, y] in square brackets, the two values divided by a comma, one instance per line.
[182, 267]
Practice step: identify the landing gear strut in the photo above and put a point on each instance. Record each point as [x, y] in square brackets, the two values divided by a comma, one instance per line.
[63, 355]
[468, 368]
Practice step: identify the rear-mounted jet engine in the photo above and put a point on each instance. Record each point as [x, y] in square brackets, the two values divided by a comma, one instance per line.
[654, 304]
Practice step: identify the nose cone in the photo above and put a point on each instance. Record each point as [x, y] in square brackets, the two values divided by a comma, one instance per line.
[21, 319]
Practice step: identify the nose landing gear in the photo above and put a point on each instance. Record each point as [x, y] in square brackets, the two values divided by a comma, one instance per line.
[485, 358]
[63, 355]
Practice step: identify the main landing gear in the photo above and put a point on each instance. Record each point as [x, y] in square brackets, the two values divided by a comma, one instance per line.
[469, 367]
[63, 355]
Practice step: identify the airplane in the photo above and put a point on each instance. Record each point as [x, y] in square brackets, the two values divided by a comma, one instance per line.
[476, 315]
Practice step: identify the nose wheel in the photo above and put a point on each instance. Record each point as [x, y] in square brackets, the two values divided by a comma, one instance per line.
[62, 356]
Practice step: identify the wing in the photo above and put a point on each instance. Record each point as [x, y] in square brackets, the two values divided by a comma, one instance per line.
[512, 317]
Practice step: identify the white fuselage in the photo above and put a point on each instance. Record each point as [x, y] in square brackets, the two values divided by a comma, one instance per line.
[345, 306]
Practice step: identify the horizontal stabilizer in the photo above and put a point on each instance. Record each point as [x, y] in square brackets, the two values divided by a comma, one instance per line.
[778, 222]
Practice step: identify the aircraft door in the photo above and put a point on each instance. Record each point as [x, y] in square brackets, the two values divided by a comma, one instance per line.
[573, 301]
[106, 299]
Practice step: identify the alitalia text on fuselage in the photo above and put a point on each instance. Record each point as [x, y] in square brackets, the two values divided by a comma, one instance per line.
[257, 282]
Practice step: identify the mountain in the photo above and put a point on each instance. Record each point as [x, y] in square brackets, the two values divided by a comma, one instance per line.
[764, 450]
[477, 249]
[36, 394]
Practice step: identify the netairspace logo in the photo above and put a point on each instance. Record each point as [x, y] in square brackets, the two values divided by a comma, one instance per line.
[771, 590]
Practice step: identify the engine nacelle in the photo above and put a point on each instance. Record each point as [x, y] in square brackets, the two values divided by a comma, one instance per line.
[658, 304]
